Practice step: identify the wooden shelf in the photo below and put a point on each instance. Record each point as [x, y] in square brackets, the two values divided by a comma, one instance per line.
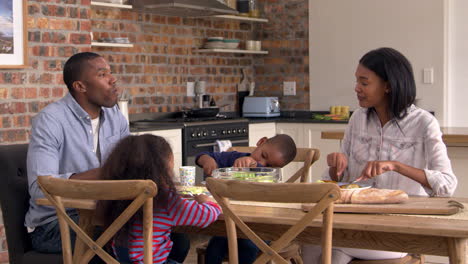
[243, 18]
[232, 51]
[113, 45]
[97, 3]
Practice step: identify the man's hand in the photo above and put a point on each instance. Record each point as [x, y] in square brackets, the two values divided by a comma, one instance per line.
[245, 162]
[375, 168]
[207, 163]
[337, 163]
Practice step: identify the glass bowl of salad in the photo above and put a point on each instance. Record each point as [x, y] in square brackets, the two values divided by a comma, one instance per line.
[261, 174]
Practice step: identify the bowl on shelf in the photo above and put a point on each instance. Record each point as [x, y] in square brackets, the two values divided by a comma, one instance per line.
[260, 174]
[214, 43]
[231, 43]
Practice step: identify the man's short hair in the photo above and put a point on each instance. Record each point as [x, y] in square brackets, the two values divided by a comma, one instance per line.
[75, 66]
[286, 145]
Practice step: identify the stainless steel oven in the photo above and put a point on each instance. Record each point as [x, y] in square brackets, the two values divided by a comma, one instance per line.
[201, 136]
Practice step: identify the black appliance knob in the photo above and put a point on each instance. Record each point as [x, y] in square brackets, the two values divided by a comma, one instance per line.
[223, 132]
[193, 135]
[198, 134]
[239, 130]
[234, 131]
[244, 130]
[229, 132]
[205, 134]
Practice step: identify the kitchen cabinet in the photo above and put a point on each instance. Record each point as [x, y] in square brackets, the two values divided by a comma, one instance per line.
[174, 137]
[259, 130]
[294, 130]
[110, 44]
[458, 157]
[307, 135]
[313, 139]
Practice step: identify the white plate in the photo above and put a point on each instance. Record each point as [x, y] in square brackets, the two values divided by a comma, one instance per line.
[363, 186]
[211, 45]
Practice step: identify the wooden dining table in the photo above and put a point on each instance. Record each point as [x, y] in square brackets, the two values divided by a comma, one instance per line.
[421, 234]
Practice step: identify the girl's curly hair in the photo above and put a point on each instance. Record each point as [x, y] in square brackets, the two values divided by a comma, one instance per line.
[145, 157]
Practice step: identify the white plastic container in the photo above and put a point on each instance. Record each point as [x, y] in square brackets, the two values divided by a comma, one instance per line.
[123, 106]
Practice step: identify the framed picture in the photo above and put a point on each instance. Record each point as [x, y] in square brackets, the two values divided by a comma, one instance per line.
[13, 34]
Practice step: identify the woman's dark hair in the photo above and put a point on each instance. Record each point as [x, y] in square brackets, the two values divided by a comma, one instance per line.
[138, 157]
[75, 66]
[395, 69]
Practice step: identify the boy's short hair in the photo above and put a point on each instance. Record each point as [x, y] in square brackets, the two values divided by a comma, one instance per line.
[286, 145]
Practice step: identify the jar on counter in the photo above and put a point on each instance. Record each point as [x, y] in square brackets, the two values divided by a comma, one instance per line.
[253, 9]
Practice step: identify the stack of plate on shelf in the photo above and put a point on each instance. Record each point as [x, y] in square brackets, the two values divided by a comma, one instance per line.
[221, 43]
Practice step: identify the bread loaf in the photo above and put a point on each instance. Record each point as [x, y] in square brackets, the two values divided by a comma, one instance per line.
[372, 196]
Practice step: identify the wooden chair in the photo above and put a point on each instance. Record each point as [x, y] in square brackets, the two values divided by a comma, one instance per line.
[322, 194]
[408, 259]
[306, 155]
[140, 191]
[14, 200]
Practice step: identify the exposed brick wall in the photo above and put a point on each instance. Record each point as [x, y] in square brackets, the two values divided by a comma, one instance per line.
[157, 68]
[163, 59]
[24, 92]
[286, 37]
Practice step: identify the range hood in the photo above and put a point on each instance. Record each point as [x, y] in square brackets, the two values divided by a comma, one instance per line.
[184, 8]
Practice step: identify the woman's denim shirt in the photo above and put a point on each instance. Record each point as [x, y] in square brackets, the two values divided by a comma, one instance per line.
[415, 140]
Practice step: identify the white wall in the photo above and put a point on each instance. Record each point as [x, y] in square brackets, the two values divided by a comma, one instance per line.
[458, 63]
[341, 31]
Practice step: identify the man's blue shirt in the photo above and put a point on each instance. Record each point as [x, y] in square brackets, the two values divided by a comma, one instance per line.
[62, 144]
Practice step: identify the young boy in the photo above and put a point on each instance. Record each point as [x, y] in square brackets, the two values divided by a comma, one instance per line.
[277, 151]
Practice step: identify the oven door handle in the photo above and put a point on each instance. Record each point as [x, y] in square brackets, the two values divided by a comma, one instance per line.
[214, 144]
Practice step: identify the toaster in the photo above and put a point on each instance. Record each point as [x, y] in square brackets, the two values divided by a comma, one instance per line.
[255, 106]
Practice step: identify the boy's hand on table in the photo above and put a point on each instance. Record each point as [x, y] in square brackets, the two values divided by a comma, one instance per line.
[208, 164]
[245, 162]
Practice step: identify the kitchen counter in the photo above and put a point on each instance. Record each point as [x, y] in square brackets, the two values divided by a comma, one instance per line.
[452, 136]
[296, 117]
[286, 117]
[157, 126]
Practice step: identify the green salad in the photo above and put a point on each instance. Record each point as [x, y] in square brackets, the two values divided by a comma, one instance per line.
[261, 174]
[252, 176]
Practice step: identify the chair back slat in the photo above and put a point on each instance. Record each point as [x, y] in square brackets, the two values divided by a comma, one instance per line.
[93, 189]
[141, 192]
[322, 194]
[273, 192]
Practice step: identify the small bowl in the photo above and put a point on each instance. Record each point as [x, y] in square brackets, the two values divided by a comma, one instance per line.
[231, 43]
[210, 39]
[121, 40]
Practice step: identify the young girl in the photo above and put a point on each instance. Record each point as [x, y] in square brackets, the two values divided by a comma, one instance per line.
[150, 157]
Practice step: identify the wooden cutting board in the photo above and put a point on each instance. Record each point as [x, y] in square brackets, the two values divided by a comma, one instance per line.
[414, 205]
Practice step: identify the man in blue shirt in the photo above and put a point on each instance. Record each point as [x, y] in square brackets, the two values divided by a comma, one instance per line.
[71, 137]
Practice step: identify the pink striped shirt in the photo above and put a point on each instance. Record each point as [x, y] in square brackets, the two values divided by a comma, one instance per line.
[179, 212]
